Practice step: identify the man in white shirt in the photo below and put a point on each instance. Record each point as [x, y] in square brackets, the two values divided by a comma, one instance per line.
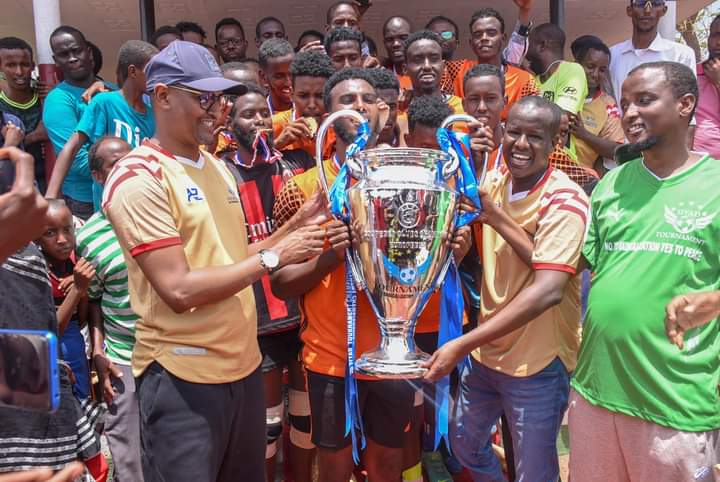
[646, 44]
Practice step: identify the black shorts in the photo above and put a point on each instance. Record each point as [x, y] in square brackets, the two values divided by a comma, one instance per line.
[385, 405]
[279, 349]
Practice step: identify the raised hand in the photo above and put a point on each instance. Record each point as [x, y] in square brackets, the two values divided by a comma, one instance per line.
[82, 274]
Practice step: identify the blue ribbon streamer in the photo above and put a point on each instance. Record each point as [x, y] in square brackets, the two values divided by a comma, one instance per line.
[339, 208]
[451, 301]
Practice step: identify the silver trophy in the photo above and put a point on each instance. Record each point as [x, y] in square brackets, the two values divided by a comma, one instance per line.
[402, 211]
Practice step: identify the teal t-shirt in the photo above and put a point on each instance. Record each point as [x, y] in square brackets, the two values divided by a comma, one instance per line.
[110, 114]
[62, 111]
[648, 241]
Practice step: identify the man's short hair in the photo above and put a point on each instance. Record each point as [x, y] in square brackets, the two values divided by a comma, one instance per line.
[134, 52]
[341, 76]
[393, 17]
[95, 162]
[14, 43]
[716, 19]
[68, 29]
[314, 33]
[384, 79]
[552, 34]
[273, 48]
[229, 21]
[581, 45]
[164, 30]
[311, 64]
[331, 9]
[442, 18]
[421, 35]
[266, 20]
[535, 103]
[679, 76]
[485, 70]
[429, 111]
[488, 12]
[342, 34]
[186, 26]
[252, 88]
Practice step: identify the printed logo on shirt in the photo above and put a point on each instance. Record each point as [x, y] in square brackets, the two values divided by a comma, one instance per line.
[569, 90]
[687, 218]
[549, 95]
[194, 194]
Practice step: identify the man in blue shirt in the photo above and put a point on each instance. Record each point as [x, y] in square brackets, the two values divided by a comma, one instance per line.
[125, 114]
[63, 109]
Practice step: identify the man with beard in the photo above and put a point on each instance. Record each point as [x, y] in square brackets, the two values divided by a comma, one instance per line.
[63, 110]
[230, 40]
[176, 212]
[561, 82]
[646, 44]
[296, 128]
[21, 99]
[425, 66]
[487, 36]
[260, 171]
[275, 56]
[707, 133]
[642, 408]
[524, 346]
[395, 31]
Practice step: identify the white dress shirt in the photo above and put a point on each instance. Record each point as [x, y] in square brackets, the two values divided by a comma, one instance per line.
[625, 57]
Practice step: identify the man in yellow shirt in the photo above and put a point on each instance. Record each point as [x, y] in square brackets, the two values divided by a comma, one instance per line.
[176, 212]
[525, 345]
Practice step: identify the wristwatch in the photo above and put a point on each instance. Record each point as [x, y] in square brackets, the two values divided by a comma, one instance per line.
[269, 260]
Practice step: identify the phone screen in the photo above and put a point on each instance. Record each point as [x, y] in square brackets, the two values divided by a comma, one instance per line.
[28, 370]
[7, 175]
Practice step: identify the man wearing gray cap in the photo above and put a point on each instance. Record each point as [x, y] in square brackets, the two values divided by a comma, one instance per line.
[176, 212]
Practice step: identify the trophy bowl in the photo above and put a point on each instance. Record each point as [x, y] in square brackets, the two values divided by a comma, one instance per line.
[402, 212]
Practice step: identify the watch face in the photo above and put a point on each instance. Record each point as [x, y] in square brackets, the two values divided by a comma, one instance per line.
[270, 258]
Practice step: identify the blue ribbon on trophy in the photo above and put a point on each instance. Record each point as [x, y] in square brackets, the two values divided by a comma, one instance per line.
[339, 208]
[451, 302]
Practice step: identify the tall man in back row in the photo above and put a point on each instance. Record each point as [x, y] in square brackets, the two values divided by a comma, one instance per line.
[177, 215]
[642, 408]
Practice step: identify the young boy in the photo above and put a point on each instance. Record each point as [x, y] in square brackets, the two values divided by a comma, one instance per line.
[124, 113]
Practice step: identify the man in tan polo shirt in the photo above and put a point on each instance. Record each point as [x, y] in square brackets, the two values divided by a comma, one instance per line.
[177, 214]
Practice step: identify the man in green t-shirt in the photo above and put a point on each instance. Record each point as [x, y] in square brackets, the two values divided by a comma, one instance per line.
[643, 408]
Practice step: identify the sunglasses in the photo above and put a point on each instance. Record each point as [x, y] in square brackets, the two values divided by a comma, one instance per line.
[646, 3]
[447, 35]
[206, 99]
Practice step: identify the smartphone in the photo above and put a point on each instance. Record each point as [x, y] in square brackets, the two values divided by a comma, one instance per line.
[7, 175]
[29, 370]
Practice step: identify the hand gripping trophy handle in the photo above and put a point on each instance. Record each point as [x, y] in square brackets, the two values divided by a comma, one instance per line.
[354, 168]
[450, 120]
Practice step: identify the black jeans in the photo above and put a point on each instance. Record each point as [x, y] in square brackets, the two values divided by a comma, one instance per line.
[198, 432]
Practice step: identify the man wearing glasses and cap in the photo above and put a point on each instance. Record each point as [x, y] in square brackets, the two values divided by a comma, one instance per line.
[646, 44]
[177, 215]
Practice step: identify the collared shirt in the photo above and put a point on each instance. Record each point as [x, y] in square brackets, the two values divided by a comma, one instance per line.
[707, 115]
[625, 57]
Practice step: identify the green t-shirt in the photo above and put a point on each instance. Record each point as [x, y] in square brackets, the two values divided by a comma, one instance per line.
[97, 243]
[649, 240]
[566, 87]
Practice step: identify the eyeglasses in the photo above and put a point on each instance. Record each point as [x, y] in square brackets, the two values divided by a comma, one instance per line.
[447, 35]
[206, 99]
[647, 3]
[231, 41]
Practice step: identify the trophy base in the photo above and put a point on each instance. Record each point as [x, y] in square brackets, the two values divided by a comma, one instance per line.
[380, 364]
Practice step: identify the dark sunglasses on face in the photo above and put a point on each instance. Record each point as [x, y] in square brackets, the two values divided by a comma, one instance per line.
[645, 3]
[206, 99]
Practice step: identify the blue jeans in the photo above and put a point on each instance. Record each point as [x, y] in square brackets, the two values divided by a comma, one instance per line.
[72, 345]
[534, 407]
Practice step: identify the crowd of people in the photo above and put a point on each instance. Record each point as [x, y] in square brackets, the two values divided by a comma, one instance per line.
[182, 250]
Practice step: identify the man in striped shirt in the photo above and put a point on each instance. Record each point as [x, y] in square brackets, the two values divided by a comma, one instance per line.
[112, 321]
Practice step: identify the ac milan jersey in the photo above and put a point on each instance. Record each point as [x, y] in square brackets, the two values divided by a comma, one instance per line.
[258, 186]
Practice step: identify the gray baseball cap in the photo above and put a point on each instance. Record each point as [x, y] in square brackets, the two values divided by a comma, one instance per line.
[190, 65]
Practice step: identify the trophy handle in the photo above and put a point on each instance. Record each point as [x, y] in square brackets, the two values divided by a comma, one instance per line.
[449, 169]
[353, 166]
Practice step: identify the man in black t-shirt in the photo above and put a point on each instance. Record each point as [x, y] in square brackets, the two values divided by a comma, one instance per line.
[21, 99]
[260, 171]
